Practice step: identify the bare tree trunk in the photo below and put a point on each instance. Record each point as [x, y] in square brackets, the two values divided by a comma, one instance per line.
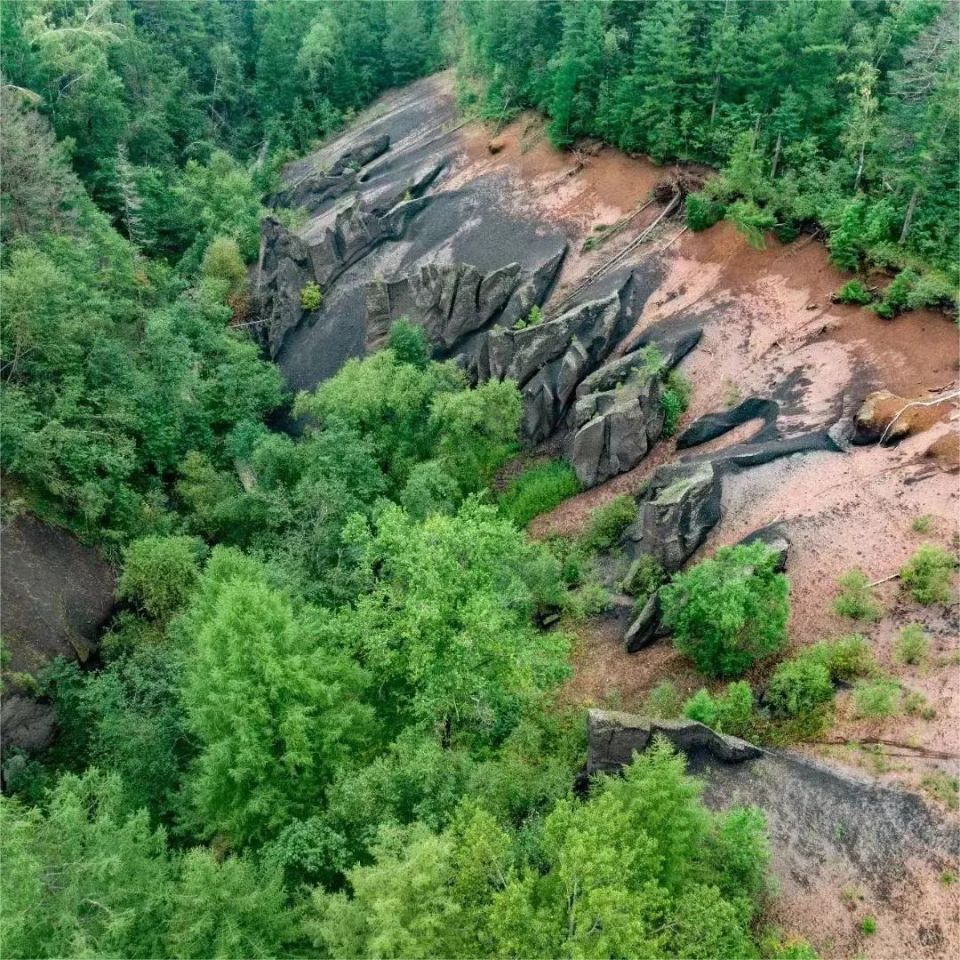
[856, 183]
[911, 206]
[776, 157]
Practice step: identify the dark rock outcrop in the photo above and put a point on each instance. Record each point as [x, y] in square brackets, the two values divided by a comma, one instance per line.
[319, 186]
[646, 627]
[55, 596]
[714, 425]
[675, 512]
[613, 738]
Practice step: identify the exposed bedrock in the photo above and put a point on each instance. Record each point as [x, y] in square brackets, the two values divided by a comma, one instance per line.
[317, 187]
[714, 425]
[618, 415]
[774, 538]
[676, 511]
[820, 820]
[287, 263]
[451, 302]
[55, 596]
[613, 738]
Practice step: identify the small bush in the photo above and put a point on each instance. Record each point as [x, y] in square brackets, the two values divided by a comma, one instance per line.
[645, 577]
[223, 264]
[943, 787]
[922, 524]
[868, 926]
[916, 705]
[854, 292]
[674, 401]
[537, 490]
[876, 699]
[856, 599]
[159, 574]
[912, 645]
[731, 712]
[927, 575]
[607, 522]
[663, 701]
[799, 687]
[535, 317]
[703, 212]
[896, 298]
[311, 296]
[409, 343]
[845, 658]
[729, 612]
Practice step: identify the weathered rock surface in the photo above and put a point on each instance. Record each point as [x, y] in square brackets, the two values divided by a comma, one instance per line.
[774, 539]
[315, 188]
[646, 627]
[714, 425]
[676, 511]
[613, 738]
[884, 415]
[55, 596]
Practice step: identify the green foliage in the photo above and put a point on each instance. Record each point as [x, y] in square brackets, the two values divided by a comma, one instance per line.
[663, 701]
[922, 523]
[409, 344]
[912, 646]
[876, 699]
[944, 788]
[855, 598]
[160, 573]
[645, 576]
[868, 926]
[927, 575]
[702, 212]
[674, 400]
[311, 296]
[800, 687]
[853, 291]
[607, 523]
[273, 711]
[223, 265]
[537, 490]
[731, 712]
[730, 611]
[845, 658]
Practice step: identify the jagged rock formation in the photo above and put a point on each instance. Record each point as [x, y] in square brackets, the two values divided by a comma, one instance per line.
[550, 360]
[676, 511]
[456, 305]
[613, 738]
[618, 415]
[317, 187]
[647, 626]
[55, 595]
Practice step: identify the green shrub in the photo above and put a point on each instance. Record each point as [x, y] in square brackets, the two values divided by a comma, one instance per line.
[674, 401]
[729, 612]
[876, 699]
[731, 712]
[538, 489]
[896, 298]
[916, 705]
[703, 212]
[845, 658]
[856, 599]
[645, 577]
[409, 343]
[311, 296]
[608, 521]
[160, 573]
[535, 317]
[799, 687]
[912, 645]
[854, 292]
[223, 264]
[927, 575]
[922, 523]
[868, 926]
[663, 701]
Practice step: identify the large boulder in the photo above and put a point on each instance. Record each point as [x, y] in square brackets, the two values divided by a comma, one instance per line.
[646, 626]
[675, 512]
[884, 415]
[774, 539]
[55, 596]
[613, 738]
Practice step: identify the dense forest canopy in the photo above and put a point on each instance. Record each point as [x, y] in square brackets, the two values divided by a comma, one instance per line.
[325, 722]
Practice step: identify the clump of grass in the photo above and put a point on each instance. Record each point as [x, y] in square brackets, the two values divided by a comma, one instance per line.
[664, 701]
[912, 645]
[674, 401]
[608, 522]
[942, 787]
[856, 599]
[868, 926]
[846, 658]
[916, 705]
[537, 490]
[948, 878]
[876, 699]
[927, 575]
[922, 524]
